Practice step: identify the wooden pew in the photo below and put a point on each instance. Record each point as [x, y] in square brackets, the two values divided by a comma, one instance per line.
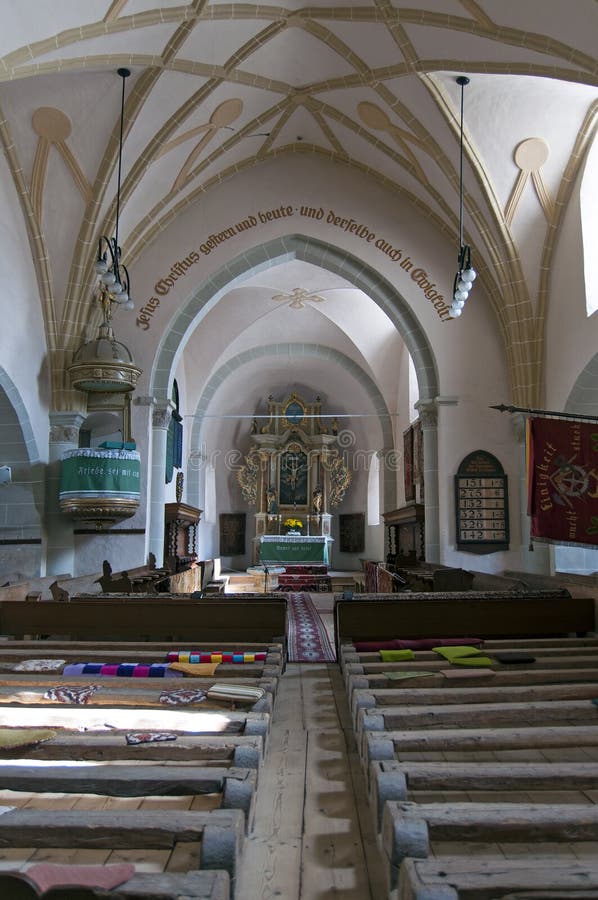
[434, 578]
[113, 691]
[400, 781]
[483, 715]
[385, 745]
[216, 836]
[241, 751]
[234, 788]
[139, 619]
[409, 829]
[456, 674]
[141, 579]
[550, 660]
[198, 885]
[508, 735]
[500, 678]
[204, 770]
[539, 648]
[94, 716]
[262, 672]
[373, 700]
[212, 582]
[146, 650]
[447, 878]
[481, 614]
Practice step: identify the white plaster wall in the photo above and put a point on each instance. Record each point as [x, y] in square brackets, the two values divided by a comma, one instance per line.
[124, 552]
[571, 336]
[22, 344]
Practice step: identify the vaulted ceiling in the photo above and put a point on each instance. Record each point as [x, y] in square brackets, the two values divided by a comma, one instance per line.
[218, 88]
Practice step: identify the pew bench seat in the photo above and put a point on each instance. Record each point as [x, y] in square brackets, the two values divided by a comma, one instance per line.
[448, 878]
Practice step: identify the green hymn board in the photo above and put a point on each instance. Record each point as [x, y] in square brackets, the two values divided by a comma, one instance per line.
[481, 504]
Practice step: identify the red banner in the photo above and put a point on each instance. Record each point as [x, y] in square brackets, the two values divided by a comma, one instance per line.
[563, 481]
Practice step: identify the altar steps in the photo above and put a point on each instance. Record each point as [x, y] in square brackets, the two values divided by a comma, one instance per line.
[344, 581]
[243, 583]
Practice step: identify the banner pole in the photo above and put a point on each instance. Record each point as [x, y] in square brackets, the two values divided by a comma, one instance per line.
[543, 412]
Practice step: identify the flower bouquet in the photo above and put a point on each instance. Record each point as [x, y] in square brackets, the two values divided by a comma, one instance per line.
[293, 526]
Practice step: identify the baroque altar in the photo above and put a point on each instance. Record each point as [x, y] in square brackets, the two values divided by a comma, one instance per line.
[294, 474]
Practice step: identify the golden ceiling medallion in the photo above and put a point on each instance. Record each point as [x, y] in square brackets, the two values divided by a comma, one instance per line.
[298, 298]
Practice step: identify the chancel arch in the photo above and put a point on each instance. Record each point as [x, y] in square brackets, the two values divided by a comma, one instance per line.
[330, 259]
[319, 253]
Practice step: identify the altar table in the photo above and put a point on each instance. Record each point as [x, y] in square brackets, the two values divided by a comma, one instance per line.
[275, 548]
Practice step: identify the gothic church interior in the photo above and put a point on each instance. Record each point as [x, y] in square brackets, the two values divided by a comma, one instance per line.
[294, 191]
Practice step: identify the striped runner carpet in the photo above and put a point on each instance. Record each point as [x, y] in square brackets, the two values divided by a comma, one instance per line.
[308, 640]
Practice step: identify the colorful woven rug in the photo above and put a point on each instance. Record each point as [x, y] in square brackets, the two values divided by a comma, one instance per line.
[308, 640]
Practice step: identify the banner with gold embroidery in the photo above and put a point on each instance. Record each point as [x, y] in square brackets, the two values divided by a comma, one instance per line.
[562, 469]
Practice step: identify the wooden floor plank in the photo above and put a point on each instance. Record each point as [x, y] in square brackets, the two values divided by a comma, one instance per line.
[332, 850]
[272, 852]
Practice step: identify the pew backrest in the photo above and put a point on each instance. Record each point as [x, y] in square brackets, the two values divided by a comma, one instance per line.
[136, 618]
[484, 616]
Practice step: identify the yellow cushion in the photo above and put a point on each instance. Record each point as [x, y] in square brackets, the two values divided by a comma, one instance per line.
[195, 670]
[22, 737]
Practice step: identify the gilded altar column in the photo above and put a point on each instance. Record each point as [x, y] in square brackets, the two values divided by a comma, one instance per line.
[58, 552]
[262, 502]
[161, 416]
[324, 480]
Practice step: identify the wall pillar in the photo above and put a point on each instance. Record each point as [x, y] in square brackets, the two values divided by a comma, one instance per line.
[58, 546]
[161, 415]
[428, 414]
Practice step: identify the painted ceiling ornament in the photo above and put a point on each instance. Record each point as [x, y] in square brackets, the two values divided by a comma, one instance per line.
[53, 127]
[530, 155]
[298, 298]
[222, 117]
[375, 117]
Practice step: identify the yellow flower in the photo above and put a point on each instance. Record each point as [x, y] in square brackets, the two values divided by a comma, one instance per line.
[293, 523]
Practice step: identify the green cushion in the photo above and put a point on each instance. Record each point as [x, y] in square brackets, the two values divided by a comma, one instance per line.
[452, 653]
[481, 661]
[396, 655]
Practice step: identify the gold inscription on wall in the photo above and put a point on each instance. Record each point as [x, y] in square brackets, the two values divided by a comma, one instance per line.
[331, 217]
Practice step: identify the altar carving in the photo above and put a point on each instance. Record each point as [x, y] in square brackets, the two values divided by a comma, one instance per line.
[294, 469]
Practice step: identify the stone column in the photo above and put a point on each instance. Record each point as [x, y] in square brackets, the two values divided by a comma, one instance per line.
[58, 548]
[428, 415]
[161, 415]
[535, 557]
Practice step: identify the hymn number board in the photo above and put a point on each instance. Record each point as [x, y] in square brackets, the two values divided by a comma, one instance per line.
[482, 504]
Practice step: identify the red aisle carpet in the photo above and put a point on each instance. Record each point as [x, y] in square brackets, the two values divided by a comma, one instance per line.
[308, 640]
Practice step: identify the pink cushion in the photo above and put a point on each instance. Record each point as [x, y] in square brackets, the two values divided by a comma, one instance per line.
[419, 644]
[374, 646]
[429, 643]
[47, 875]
